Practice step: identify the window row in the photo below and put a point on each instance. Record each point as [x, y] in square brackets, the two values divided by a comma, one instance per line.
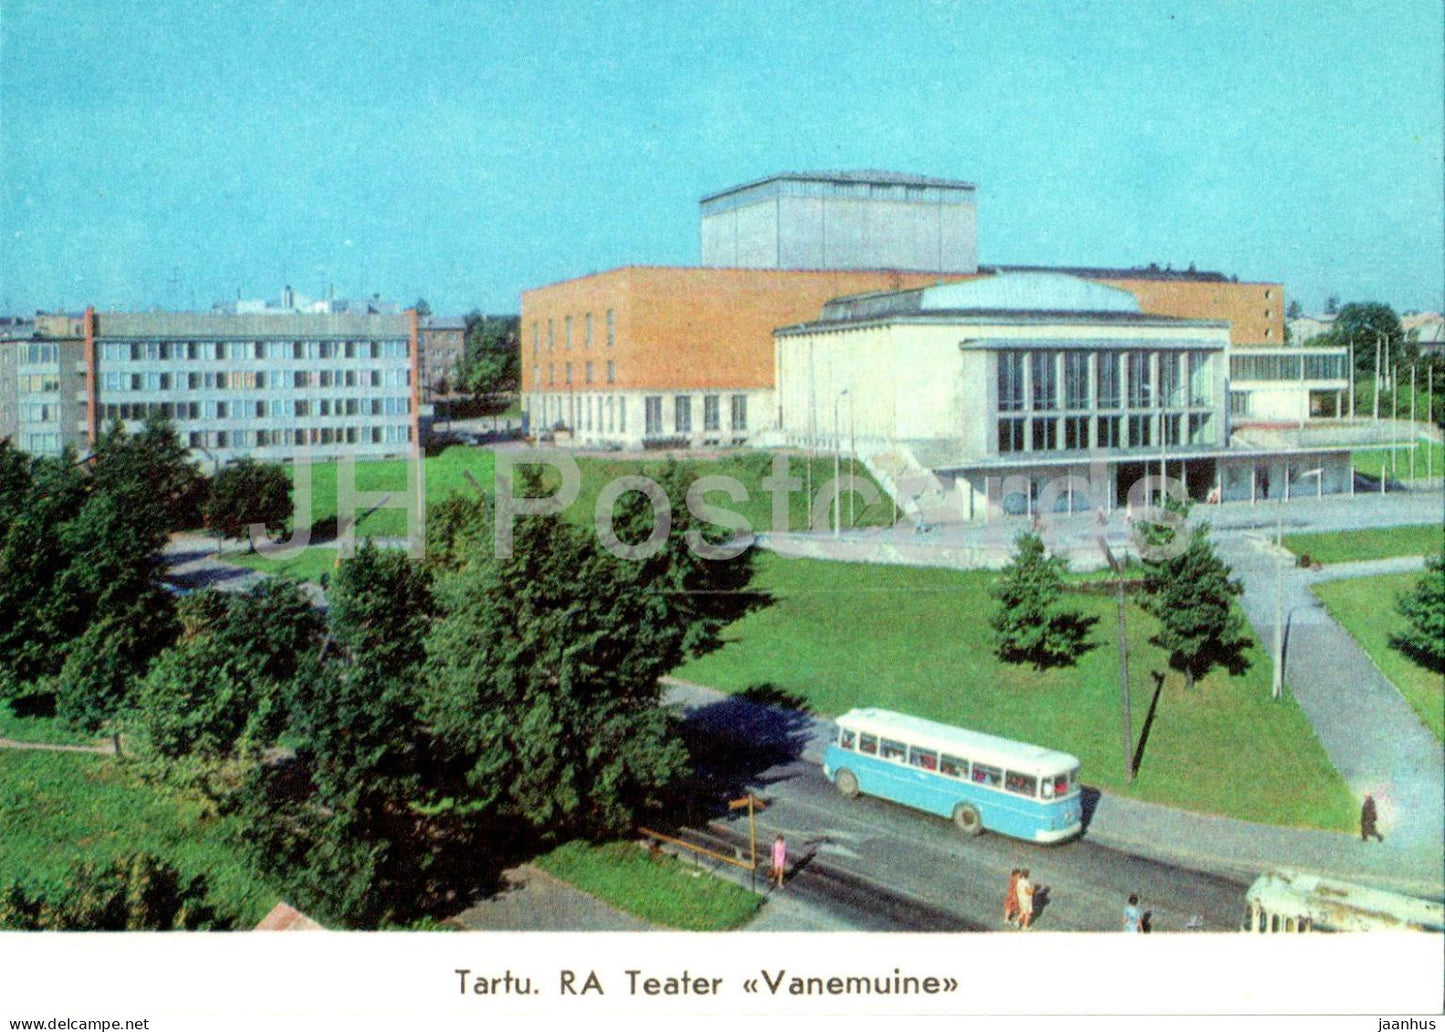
[589, 374]
[39, 411]
[587, 332]
[299, 436]
[38, 383]
[608, 415]
[244, 350]
[40, 443]
[299, 379]
[1289, 367]
[285, 408]
[37, 354]
[1071, 433]
[933, 761]
[682, 414]
[1099, 379]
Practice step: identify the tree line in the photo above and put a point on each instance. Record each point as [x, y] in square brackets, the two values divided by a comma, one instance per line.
[384, 759]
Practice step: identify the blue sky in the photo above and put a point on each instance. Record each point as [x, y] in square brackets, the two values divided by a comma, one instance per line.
[175, 152]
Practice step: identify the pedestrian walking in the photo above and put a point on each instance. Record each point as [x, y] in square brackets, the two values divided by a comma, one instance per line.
[1026, 900]
[1133, 916]
[1369, 820]
[1011, 898]
[780, 860]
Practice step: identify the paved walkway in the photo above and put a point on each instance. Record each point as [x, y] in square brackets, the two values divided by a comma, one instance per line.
[1368, 730]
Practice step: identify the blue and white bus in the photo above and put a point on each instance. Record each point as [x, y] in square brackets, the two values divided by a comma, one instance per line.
[980, 781]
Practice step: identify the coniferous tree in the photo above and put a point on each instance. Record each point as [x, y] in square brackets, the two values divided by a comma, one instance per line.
[1028, 627]
[1192, 595]
[1423, 608]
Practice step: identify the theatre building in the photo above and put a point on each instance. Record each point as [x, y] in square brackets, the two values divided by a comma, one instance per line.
[1002, 388]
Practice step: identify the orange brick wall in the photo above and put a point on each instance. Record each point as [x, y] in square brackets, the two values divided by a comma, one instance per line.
[698, 328]
[1255, 311]
[680, 327]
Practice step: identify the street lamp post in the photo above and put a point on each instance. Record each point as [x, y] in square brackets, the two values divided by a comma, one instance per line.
[837, 465]
[1277, 687]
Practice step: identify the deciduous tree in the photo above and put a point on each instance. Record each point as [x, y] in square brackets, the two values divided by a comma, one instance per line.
[1423, 608]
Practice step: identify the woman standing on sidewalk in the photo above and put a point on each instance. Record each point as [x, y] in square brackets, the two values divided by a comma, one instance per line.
[1011, 898]
[1026, 900]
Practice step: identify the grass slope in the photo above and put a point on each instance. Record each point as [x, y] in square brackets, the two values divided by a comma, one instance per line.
[842, 635]
[60, 808]
[1365, 606]
[654, 887]
[1375, 543]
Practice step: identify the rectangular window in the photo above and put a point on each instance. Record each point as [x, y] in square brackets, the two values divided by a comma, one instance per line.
[1140, 431]
[535, 337]
[589, 372]
[986, 775]
[1171, 384]
[551, 340]
[711, 412]
[1201, 429]
[622, 414]
[952, 766]
[1107, 386]
[847, 738]
[1076, 379]
[1107, 432]
[1045, 434]
[1171, 424]
[1046, 380]
[587, 330]
[652, 415]
[1011, 381]
[568, 371]
[611, 371]
[889, 749]
[739, 411]
[868, 744]
[925, 759]
[1141, 387]
[1076, 433]
[567, 333]
[1200, 379]
[682, 411]
[611, 329]
[1021, 784]
[1010, 435]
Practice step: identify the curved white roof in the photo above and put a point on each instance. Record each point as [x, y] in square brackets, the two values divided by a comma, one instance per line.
[1028, 292]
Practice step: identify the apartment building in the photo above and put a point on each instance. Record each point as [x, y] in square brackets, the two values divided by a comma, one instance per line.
[270, 384]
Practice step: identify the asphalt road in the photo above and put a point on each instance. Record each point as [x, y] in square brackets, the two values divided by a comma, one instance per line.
[872, 865]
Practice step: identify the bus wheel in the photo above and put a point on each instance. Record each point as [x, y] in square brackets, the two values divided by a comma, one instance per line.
[847, 784]
[967, 819]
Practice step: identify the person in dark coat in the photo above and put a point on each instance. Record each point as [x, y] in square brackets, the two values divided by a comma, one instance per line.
[1369, 819]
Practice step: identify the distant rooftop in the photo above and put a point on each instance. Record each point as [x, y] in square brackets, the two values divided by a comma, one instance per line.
[877, 177]
[1151, 271]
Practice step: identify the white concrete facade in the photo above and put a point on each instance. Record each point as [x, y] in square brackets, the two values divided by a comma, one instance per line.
[637, 419]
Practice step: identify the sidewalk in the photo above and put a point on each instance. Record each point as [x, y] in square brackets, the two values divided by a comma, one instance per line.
[1205, 842]
[1368, 730]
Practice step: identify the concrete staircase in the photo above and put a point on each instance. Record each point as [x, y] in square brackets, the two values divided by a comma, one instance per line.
[920, 495]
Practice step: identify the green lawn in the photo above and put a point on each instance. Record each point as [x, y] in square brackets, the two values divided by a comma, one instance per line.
[60, 808]
[1365, 606]
[1369, 462]
[841, 635]
[1375, 543]
[462, 469]
[652, 886]
[310, 565]
[49, 730]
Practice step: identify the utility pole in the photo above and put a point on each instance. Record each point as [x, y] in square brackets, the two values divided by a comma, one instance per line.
[1127, 729]
[1377, 376]
[837, 471]
[1414, 429]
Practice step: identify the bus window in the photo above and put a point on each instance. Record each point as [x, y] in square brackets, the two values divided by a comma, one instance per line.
[953, 766]
[846, 738]
[984, 775]
[1021, 784]
[1056, 786]
[868, 744]
[922, 758]
[892, 750]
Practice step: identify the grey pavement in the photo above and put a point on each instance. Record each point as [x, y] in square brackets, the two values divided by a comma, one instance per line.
[1368, 730]
[531, 900]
